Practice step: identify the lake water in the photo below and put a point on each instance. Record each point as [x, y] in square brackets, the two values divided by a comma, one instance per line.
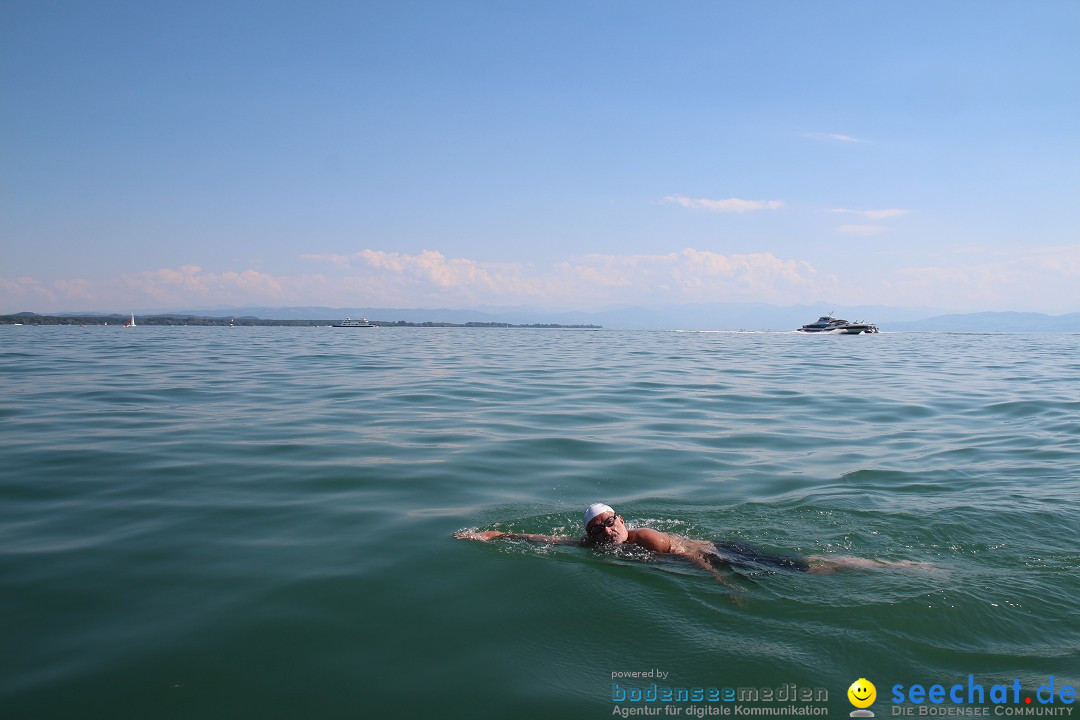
[257, 522]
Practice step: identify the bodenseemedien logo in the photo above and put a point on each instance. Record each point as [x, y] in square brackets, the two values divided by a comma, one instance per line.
[862, 694]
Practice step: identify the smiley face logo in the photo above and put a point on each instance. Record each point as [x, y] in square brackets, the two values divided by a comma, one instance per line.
[862, 693]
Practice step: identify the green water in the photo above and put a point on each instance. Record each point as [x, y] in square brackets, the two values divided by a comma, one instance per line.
[257, 522]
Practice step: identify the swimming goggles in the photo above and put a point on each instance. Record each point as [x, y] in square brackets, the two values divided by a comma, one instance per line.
[600, 526]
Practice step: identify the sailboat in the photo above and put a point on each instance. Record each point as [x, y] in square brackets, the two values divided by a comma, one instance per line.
[132, 323]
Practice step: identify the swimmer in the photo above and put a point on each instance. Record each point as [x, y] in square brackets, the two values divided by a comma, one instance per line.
[603, 526]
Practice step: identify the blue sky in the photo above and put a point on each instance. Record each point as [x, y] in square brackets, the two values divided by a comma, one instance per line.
[571, 155]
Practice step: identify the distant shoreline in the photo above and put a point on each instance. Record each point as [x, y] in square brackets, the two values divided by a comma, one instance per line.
[198, 320]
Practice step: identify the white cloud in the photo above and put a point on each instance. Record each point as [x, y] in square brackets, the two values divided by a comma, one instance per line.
[25, 289]
[862, 230]
[737, 205]
[190, 284]
[868, 229]
[1032, 278]
[187, 285]
[835, 137]
[339, 260]
[1041, 278]
[429, 277]
[696, 276]
[874, 214]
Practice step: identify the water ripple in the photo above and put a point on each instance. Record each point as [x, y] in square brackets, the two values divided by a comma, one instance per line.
[198, 506]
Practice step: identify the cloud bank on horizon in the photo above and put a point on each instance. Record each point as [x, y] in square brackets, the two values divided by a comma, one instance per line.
[379, 278]
[554, 155]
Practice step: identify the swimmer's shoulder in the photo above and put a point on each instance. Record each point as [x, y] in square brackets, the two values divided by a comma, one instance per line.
[653, 540]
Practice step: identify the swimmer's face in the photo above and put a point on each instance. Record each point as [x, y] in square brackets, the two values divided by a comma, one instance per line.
[607, 528]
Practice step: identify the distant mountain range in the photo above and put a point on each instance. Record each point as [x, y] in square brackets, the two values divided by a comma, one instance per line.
[993, 322]
[710, 316]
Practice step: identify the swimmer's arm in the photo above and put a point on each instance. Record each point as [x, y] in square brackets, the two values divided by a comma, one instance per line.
[496, 535]
[662, 543]
[700, 560]
[653, 540]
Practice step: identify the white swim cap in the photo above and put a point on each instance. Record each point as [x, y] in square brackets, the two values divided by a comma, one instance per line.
[596, 509]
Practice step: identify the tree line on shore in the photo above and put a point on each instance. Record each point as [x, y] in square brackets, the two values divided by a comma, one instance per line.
[27, 318]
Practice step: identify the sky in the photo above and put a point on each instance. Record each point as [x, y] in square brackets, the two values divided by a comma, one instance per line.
[556, 154]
